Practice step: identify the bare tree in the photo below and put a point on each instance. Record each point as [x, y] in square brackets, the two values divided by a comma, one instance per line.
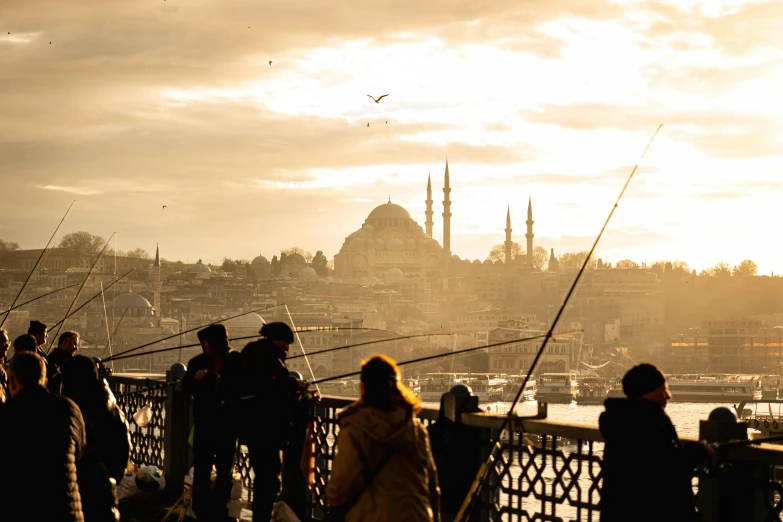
[574, 260]
[540, 257]
[8, 246]
[82, 242]
[498, 252]
[746, 268]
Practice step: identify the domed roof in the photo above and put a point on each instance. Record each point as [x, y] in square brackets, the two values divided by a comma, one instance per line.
[356, 243]
[307, 273]
[245, 321]
[394, 273]
[389, 211]
[394, 244]
[294, 258]
[199, 268]
[130, 300]
[260, 260]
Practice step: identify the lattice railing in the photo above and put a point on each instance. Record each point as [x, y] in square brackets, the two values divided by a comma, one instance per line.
[133, 393]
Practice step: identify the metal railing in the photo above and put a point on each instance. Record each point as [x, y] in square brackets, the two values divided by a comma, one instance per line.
[547, 471]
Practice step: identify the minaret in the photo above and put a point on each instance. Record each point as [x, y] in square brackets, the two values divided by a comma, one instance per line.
[447, 216]
[428, 212]
[554, 264]
[529, 235]
[156, 285]
[508, 237]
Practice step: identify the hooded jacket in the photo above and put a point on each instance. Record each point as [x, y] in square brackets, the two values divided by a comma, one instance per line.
[406, 487]
[647, 470]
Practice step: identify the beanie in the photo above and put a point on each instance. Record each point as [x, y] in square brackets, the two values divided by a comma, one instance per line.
[277, 332]
[642, 379]
[36, 327]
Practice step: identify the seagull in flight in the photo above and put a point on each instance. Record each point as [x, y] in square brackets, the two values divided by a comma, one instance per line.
[164, 206]
[378, 100]
[270, 62]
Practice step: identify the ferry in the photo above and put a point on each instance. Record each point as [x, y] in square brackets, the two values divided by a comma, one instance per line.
[556, 388]
[769, 387]
[591, 390]
[487, 387]
[511, 388]
[714, 388]
[765, 416]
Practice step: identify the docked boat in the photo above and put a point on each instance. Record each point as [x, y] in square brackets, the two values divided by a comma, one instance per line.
[591, 390]
[511, 388]
[556, 388]
[729, 389]
[769, 387]
[487, 387]
[765, 416]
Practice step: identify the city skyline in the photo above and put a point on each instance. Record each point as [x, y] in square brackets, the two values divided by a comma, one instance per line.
[175, 104]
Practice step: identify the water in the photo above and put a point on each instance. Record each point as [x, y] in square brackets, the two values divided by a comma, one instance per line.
[684, 415]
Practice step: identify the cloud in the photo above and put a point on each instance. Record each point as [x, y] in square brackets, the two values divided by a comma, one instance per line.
[71, 190]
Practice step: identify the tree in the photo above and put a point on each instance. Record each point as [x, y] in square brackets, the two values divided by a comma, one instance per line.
[498, 252]
[138, 252]
[320, 264]
[627, 263]
[540, 257]
[228, 265]
[574, 260]
[8, 246]
[721, 270]
[82, 242]
[296, 250]
[746, 268]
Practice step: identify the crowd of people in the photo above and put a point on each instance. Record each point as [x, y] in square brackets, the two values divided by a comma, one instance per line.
[67, 442]
[71, 443]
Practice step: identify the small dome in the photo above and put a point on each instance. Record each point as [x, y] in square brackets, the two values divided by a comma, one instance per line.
[295, 258]
[476, 262]
[411, 244]
[358, 233]
[389, 211]
[394, 244]
[308, 273]
[394, 274]
[379, 243]
[433, 244]
[130, 300]
[356, 243]
[260, 260]
[199, 268]
[368, 227]
[487, 262]
[254, 321]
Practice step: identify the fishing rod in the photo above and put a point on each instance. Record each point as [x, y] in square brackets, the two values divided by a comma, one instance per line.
[438, 356]
[35, 267]
[88, 301]
[78, 292]
[39, 297]
[301, 347]
[196, 328]
[346, 347]
[193, 345]
[749, 442]
[480, 480]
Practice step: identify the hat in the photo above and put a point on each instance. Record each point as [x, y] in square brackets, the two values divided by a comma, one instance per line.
[277, 332]
[642, 379]
[213, 333]
[36, 327]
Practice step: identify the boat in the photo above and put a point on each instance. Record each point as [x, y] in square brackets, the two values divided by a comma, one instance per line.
[591, 390]
[769, 387]
[511, 388]
[487, 387]
[556, 388]
[729, 389]
[765, 416]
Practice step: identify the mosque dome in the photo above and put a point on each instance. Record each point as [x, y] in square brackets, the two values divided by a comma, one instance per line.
[358, 233]
[308, 273]
[253, 320]
[394, 274]
[433, 244]
[295, 258]
[379, 243]
[130, 300]
[199, 268]
[356, 243]
[260, 260]
[389, 211]
[411, 244]
[394, 244]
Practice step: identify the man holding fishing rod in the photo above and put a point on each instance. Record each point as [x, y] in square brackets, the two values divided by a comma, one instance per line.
[647, 470]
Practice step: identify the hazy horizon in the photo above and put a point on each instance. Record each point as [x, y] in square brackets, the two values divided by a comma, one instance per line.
[135, 105]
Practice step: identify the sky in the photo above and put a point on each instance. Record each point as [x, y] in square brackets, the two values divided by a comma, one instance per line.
[126, 106]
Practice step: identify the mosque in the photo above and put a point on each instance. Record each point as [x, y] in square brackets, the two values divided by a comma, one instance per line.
[392, 246]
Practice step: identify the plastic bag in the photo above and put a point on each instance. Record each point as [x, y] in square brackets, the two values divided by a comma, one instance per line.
[143, 417]
[282, 512]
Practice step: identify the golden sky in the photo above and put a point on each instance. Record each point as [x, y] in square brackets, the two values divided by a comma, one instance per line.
[139, 104]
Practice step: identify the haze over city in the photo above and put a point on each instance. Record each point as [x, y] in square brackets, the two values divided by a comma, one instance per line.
[130, 106]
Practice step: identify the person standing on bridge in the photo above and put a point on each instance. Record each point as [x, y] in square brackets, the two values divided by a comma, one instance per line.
[270, 392]
[214, 378]
[647, 470]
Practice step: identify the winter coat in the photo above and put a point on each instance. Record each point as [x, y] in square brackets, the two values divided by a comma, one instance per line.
[271, 393]
[406, 488]
[216, 397]
[56, 360]
[647, 470]
[106, 455]
[44, 437]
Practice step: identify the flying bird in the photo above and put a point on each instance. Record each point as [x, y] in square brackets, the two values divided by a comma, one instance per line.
[164, 206]
[368, 123]
[379, 98]
[270, 62]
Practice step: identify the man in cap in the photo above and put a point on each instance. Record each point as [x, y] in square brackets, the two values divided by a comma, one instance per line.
[647, 470]
[214, 380]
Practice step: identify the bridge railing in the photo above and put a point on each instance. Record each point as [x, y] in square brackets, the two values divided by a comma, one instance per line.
[547, 470]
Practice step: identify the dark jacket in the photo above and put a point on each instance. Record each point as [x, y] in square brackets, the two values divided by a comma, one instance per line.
[107, 452]
[44, 437]
[216, 398]
[647, 470]
[55, 363]
[270, 392]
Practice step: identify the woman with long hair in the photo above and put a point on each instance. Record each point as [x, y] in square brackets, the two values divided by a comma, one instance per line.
[383, 469]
